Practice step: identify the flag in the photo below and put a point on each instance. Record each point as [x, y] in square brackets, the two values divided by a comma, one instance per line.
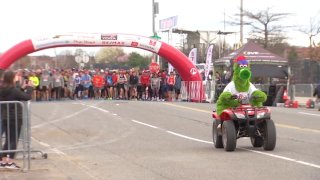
[193, 55]
[170, 68]
[208, 61]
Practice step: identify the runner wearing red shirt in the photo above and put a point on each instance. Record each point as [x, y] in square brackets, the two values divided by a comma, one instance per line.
[145, 82]
[98, 83]
[171, 81]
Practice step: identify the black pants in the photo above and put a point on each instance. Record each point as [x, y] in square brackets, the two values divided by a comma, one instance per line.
[12, 129]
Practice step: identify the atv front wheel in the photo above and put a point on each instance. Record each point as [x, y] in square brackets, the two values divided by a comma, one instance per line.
[229, 136]
[269, 140]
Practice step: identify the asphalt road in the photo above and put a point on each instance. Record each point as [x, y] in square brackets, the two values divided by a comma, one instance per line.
[157, 140]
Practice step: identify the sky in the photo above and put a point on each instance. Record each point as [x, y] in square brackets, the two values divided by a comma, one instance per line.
[25, 19]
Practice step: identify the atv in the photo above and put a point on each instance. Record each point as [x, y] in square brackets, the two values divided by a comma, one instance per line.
[244, 121]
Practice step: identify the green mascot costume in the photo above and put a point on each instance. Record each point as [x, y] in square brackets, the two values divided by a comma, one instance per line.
[240, 86]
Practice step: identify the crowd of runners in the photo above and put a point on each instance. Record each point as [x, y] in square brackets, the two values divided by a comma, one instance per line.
[59, 84]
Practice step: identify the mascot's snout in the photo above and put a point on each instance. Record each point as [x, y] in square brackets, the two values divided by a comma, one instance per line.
[245, 74]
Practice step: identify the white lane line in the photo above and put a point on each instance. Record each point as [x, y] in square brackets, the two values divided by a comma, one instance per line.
[309, 114]
[284, 158]
[145, 124]
[100, 109]
[187, 137]
[259, 152]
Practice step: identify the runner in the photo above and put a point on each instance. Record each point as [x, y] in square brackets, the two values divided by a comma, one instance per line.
[115, 85]
[155, 86]
[133, 82]
[171, 82]
[98, 84]
[45, 82]
[86, 83]
[122, 79]
[108, 85]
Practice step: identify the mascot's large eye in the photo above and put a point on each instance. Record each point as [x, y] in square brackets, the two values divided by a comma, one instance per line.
[244, 65]
[241, 66]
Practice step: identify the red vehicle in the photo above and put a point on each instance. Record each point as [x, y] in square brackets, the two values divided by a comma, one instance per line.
[244, 121]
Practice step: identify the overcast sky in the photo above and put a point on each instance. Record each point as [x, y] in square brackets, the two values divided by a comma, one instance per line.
[24, 19]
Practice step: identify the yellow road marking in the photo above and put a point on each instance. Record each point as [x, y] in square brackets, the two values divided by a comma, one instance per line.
[297, 128]
[184, 107]
[277, 124]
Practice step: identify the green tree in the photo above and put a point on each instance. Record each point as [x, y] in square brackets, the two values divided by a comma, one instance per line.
[108, 54]
[136, 60]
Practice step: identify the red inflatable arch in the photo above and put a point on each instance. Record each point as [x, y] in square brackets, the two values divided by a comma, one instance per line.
[177, 59]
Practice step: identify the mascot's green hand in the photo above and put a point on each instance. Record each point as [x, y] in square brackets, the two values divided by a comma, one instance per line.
[258, 98]
[226, 101]
[225, 97]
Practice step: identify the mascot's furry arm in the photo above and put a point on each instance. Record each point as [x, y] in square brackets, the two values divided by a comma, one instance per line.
[225, 101]
[258, 98]
[241, 82]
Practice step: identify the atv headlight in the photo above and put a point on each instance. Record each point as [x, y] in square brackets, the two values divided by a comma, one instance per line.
[240, 116]
[260, 115]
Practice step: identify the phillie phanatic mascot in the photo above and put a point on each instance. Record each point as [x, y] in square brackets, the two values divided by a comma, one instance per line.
[240, 86]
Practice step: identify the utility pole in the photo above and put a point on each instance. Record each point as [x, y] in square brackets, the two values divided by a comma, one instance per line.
[241, 22]
[155, 11]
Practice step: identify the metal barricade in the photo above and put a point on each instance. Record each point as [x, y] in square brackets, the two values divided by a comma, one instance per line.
[15, 130]
[191, 91]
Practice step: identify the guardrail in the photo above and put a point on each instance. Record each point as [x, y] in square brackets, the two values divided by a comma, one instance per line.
[15, 131]
[191, 91]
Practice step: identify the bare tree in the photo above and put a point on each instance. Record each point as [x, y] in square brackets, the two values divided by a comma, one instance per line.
[264, 26]
[312, 30]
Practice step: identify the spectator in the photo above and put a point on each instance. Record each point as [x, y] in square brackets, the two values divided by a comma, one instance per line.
[177, 86]
[218, 78]
[11, 123]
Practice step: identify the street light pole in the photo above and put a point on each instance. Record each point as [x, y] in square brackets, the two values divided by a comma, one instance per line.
[153, 19]
[155, 10]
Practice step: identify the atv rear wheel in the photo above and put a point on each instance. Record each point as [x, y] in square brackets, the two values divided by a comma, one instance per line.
[216, 138]
[269, 142]
[229, 136]
[256, 141]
